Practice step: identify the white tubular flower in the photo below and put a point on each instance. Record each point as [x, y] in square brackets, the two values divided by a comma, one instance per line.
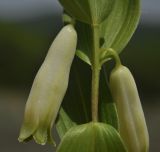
[132, 125]
[49, 88]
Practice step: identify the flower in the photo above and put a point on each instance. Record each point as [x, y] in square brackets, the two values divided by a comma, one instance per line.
[49, 88]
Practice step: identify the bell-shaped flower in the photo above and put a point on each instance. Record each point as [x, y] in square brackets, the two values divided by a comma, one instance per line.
[132, 124]
[49, 88]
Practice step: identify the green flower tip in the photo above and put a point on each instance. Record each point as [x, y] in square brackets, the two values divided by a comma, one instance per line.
[40, 132]
[41, 136]
[92, 137]
[26, 131]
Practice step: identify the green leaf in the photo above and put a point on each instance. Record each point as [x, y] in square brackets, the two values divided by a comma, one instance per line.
[77, 99]
[107, 108]
[120, 25]
[76, 104]
[88, 11]
[64, 123]
[114, 32]
[84, 41]
[92, 137]
[83, 56]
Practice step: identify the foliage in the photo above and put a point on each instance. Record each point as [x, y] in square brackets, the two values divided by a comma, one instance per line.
[116, 23]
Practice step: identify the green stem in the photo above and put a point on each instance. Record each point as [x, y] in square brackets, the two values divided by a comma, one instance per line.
[113, 54]
[110, 53]
[95, 72]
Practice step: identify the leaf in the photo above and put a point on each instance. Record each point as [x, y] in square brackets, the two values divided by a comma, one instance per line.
[64, 123]
[83, 56]
[107, 108]
[88, 11]
[120, 25]
[92, 137]
[77, 100]
[84, 41]
[76, 104]
[114, 32]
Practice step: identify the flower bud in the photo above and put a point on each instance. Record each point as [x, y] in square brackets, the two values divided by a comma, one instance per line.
[49, 88]
[132, 125]
[92, 137]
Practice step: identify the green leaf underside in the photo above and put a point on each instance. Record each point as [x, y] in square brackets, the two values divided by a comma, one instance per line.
[85, 42]
[118, 28]
[76, 104]
[88, 11]
[83, 56]
[107, 108]
[92, 137]
[64, 123]
[77, 99]
[115, 31]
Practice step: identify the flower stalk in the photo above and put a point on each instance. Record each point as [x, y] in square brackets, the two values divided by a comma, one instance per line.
[95, 72]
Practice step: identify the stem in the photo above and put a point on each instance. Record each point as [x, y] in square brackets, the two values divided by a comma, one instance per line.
[112, 53]
[95, 72]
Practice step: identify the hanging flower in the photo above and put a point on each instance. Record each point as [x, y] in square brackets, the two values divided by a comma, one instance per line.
[132, 125]
[49, 88]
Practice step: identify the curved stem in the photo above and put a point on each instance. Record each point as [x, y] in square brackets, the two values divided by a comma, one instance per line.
[95, 72]
[110, 53]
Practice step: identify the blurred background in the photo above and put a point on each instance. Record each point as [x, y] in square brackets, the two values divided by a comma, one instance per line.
[27, 28]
